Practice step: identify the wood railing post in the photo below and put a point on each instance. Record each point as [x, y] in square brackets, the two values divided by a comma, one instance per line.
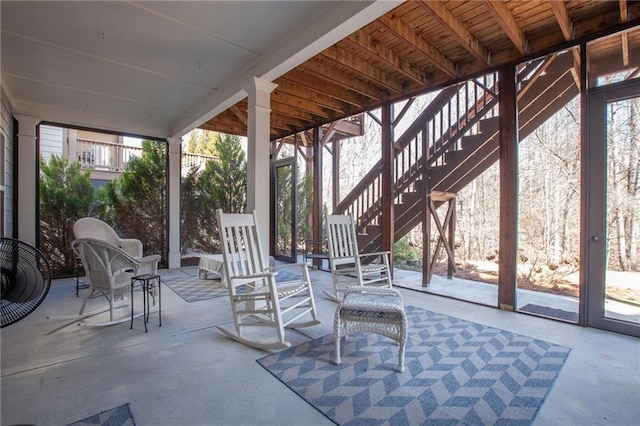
[316, 219]
[387, 216]
[335, 181]
[425, 189]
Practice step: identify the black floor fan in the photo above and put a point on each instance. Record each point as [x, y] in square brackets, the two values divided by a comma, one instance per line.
[26, 279]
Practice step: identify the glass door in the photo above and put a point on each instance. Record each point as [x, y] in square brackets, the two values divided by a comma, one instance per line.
[613, 209]
[284, 233]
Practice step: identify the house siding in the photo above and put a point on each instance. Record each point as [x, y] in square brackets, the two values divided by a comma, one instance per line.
[7, 181]
[51, 140]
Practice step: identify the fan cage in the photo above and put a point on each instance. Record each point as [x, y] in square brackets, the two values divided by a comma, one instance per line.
[25, 280]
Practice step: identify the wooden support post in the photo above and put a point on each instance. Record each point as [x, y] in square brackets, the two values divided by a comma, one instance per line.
[317, 193]
[388, 219]
[508, 189]
[426, 216]
[335, 162]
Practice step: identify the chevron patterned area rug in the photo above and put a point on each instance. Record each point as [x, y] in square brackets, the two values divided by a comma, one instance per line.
[456, 372]
[194, 289]
[119, 416]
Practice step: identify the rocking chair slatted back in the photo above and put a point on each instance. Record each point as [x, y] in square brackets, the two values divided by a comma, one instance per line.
[242, 246]
[348, 266]
[343, 245]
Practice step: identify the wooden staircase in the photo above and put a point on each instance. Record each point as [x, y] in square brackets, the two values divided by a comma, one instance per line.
[458, 146]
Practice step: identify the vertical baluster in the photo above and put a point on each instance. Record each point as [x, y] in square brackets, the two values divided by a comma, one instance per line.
[448, 121]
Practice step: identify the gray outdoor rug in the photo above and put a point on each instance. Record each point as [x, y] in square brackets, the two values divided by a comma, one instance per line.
[194, 289]
[456, 372]
[119, 416]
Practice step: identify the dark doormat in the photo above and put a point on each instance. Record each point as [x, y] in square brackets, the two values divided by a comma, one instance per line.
[550, 312]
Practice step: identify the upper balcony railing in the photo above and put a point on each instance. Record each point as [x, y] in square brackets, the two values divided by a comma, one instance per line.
[105, 156]
[199, 161]
[114, 157]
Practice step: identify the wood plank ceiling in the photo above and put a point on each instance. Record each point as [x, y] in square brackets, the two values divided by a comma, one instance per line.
[420, 46]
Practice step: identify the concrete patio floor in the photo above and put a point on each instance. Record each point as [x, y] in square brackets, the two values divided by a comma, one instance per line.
[187, 373]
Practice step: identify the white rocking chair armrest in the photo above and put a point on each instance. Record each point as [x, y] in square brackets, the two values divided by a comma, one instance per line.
[350, 257]
[375, 253]
[288, 265]
[250, 277]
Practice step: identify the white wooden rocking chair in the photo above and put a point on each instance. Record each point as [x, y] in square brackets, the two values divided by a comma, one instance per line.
[262, 307]
[348, 267]
[110, 269]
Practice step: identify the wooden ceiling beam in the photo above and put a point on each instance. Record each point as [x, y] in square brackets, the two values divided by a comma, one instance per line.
[508, 24]
[308, 80]
[316, 96]
[225, 125]
[408, 35]
[624, 17]
[363, 68]
[566, 26]
[284, 124]
[624, 11]
[326, 72]
[562, 16]
[294, 112]
[299, 103]
[456, 28]
[363, 41]
[235, 109]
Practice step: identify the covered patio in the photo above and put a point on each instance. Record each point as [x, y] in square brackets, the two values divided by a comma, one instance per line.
[283, 73]
[187, 372]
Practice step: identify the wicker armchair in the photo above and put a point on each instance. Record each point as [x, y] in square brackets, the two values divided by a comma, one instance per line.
[89, 227]
[110, 270]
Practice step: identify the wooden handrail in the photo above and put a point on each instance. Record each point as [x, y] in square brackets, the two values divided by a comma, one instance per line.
[363, 202]
[436, 131]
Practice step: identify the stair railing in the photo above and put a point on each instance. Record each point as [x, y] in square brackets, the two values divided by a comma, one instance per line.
[452, 114]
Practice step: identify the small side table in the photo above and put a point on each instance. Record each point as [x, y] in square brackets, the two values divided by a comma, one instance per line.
[148, 282]
[77, 272]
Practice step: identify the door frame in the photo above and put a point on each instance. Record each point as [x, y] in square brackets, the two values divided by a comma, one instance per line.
[595, 215]
[285, 162]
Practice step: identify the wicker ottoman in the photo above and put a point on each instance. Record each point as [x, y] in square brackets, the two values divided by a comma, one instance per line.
[372, 310]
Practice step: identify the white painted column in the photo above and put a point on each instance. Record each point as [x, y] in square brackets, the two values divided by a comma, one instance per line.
[258, 161]
[27, 181]
[174, 202]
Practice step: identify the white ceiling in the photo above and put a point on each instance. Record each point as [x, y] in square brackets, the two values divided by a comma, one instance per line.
[158, 68]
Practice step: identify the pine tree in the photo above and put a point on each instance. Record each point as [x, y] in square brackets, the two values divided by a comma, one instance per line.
[229, 175]
[135, 203]
[66, 194]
